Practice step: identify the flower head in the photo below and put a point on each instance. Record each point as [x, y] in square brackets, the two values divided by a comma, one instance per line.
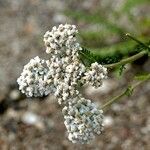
[58, 39]
[83, 120]
[35, 80]
[95, 75]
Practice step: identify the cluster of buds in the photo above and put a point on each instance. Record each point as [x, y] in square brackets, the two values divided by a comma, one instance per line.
[35, 80]
[83, 119]
[66, 75]
[62, 75]
[58, 39]
[95, 75]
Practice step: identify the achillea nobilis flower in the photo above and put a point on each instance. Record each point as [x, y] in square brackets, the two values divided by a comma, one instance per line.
[61, 75]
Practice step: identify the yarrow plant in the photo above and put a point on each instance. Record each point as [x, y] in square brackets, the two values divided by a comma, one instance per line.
[63, 75]
[83, 120]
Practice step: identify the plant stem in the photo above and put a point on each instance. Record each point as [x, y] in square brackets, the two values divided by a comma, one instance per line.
[136, 40]
[132, 58]
[127, 60]
[124, 93]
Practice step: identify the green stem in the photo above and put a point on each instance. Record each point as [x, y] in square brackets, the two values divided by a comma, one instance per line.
[127, 60]
[126, 92]
[136, 40]
[132, 58]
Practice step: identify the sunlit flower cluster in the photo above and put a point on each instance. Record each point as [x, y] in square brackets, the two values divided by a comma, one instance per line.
[95, 75]
[83, 120]
[66, 75]
[58, 39]
[35, 80]
[63, 75]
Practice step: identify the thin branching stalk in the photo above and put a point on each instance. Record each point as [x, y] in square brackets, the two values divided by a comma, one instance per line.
[126, 92]
[127, 60]
[132, 58]
[138, 41]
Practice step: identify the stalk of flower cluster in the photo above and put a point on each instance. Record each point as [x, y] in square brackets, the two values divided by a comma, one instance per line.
[132, 58]
[126, 92]
[127, 60]
[138, 41]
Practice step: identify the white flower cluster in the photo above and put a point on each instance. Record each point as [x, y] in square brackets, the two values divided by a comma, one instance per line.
[35, 80]
[83, 120]
[95, 75]
[66, 68]
[66, 75]
[63, 74]
[60, 38]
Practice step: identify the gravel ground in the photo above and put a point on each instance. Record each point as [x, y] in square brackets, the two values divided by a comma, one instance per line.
[27, 124]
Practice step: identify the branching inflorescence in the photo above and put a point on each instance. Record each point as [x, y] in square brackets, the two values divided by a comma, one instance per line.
[62, 75]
